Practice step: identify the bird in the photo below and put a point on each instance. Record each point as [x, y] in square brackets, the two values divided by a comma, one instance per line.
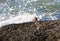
[36, 23]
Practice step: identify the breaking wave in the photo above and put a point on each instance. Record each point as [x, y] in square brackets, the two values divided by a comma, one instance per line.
[19, 11]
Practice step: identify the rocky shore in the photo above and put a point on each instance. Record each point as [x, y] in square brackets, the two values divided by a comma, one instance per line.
[48, 31]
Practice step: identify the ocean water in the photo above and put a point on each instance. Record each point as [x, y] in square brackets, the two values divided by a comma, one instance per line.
[43, 9]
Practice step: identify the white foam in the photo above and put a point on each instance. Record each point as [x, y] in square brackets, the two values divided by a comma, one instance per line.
[19, 19]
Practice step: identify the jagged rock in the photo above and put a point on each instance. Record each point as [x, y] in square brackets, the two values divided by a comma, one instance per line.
[48, 31]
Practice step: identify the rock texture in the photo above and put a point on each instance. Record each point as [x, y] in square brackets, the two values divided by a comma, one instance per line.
[48, 31]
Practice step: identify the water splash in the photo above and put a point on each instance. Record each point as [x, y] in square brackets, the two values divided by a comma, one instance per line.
[44, 9]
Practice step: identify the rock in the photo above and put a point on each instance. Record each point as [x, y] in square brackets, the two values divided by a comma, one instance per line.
[49, 31]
